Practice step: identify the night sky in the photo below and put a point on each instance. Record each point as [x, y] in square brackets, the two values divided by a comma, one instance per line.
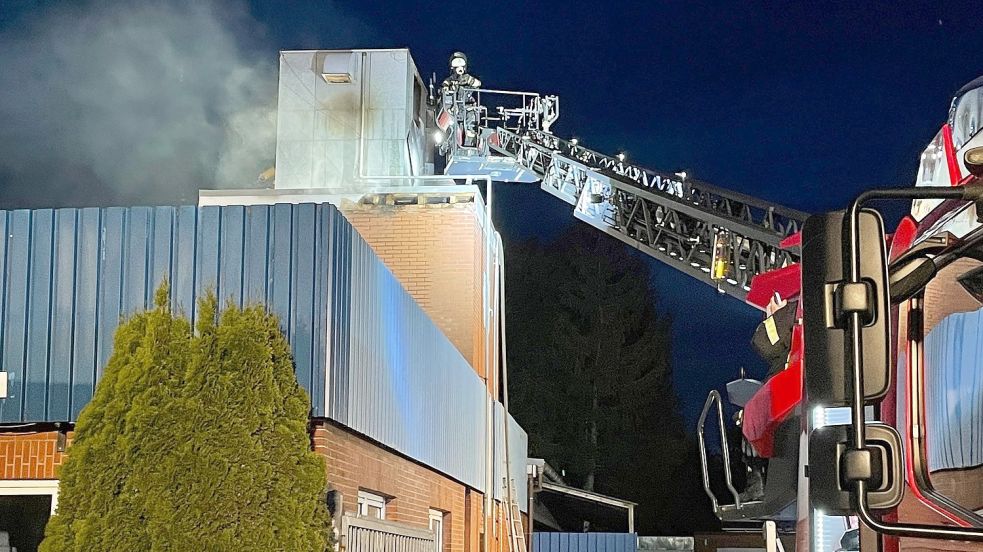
[802, 103]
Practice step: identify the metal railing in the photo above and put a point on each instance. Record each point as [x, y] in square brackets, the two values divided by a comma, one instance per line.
[671, 217]
[365, 534]
[481, 110]
[714, 397]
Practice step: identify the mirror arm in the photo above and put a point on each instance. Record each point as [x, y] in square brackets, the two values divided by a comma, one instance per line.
[969, 248]
[910, 529]
[974, 254]
[968, 193]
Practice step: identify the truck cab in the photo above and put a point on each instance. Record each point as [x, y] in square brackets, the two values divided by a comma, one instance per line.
[926, 422]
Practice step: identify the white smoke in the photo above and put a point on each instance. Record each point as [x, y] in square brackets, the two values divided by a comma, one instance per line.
[134, 103]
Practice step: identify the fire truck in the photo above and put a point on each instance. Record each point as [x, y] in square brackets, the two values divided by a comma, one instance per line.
[868, 432]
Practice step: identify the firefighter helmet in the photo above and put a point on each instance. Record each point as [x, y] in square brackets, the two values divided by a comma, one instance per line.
[458, 59]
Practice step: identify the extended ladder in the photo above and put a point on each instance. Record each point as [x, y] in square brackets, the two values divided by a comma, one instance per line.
[681, 221]
[517, 533]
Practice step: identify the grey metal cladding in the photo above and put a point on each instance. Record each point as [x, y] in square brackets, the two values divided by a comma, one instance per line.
[409, 387]
[518, 454]
[584, 542]
[338, 323]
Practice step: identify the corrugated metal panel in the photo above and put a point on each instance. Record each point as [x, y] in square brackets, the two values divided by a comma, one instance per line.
[954, 391]
[518, 456]
[584, 542]
[70, 275]
[368, 355]
[338, 324]
[409, 387]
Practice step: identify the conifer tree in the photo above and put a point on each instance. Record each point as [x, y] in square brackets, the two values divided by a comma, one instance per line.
[194, 441]
[591, 377]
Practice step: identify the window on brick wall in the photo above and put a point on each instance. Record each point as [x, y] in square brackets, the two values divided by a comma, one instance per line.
[437, 526]
[25, 507]
[371, 505]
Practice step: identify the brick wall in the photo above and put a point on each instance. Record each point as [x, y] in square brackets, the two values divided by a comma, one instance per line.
[354, 464]
[30, 455]
[437, 253]
[472, 520]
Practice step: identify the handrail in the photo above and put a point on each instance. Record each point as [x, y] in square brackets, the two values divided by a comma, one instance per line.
[714, 397]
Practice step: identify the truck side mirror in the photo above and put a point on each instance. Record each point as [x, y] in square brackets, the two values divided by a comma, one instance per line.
[825, 300]
[863, 457]
[830, 488]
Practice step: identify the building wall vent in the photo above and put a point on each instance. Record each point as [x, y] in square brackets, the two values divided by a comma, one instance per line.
[335, 67]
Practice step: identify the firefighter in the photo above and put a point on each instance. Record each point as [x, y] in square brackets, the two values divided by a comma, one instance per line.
[773, 337]
[459, 77]
[459, 101]
[773, 341]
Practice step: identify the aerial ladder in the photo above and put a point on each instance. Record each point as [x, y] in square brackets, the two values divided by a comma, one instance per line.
[753, 250]
[720, 237]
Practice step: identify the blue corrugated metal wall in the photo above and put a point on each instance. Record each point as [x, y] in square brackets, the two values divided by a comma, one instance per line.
[368, 355]
[584, 542]
[70, 276]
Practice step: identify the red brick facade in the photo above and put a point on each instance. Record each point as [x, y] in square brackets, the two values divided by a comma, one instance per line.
[437, 252]
[355, 464]
[30, 455]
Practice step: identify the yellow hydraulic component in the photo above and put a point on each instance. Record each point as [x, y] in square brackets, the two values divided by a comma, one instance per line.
[720, 264]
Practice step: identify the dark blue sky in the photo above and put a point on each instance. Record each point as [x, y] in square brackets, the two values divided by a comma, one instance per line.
[801, 103]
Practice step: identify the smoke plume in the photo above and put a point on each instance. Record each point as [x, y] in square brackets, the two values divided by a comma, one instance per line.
[134, 103]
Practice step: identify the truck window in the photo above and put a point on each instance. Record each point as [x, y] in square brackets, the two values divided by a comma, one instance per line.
[951, 387]
[967, 112]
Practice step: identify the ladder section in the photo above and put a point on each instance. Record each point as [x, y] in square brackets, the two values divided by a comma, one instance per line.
[517, 534]
[676, 220]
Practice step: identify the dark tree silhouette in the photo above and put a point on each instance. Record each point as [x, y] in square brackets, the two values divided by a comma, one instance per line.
[591, 377]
